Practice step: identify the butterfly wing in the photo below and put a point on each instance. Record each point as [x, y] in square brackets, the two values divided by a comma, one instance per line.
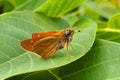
[44, 44]
[28, 44]
[43, 34]
[46, 47]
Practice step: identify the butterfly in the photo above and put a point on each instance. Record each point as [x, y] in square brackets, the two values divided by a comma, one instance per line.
[45, 44]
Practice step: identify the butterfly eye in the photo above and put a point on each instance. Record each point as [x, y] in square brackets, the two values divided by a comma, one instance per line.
[67, 33]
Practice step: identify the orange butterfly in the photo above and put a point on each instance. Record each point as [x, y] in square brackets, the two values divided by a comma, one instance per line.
[46, 44]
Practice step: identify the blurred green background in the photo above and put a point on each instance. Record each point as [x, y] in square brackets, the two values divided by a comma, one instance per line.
[97, 46]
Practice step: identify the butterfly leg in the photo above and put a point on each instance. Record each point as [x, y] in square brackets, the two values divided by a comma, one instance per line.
[66, 45]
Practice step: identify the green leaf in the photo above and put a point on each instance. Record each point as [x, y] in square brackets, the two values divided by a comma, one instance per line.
[71, 18]
[18, 26]
[30, 5]
[57, 8]
[112, 31]
[16, 3]
[88, 12]
[5, 6]
[100, 63]
[105, 9]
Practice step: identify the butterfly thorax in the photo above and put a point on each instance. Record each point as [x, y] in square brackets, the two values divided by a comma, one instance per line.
[64, 41]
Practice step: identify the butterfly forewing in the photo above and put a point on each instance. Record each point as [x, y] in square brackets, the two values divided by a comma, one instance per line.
[44, 34]
[46, 47]
[28, 44]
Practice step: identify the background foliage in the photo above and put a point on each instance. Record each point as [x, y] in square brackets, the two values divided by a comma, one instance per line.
[96, 49]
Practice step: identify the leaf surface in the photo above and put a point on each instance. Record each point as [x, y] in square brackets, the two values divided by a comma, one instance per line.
[111, 29]
[57, 8]
[100, 63]
[18, 26]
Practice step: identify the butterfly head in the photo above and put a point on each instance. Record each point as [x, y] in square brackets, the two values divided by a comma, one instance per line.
[69, 32]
